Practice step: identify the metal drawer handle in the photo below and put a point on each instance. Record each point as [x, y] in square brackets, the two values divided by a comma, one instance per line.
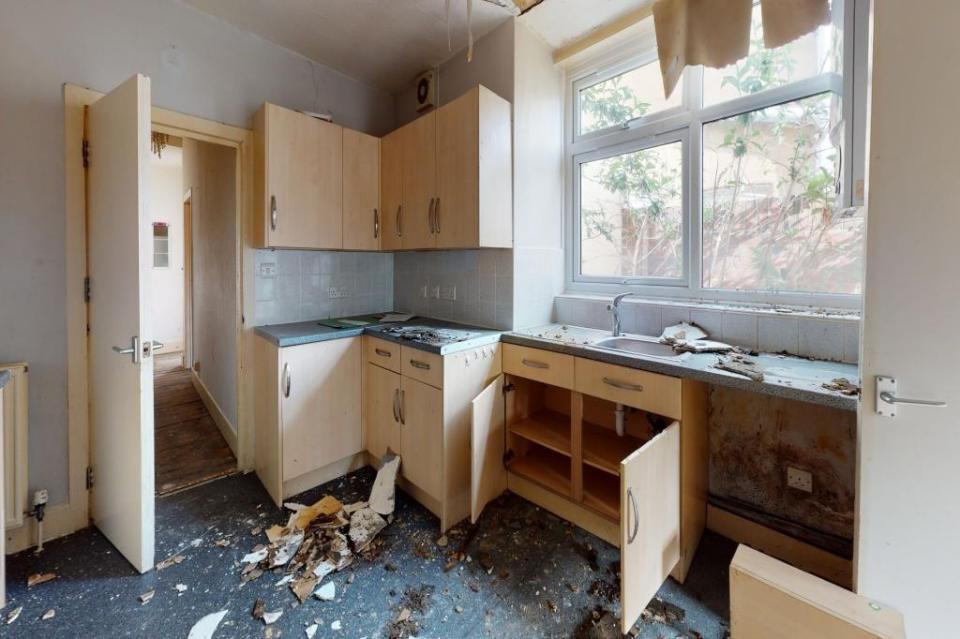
[418, 364]
[403, 418]
[273, 213]
[399, 220]
[430, 222]
[532, 363]
[632, 505]
[436, 215]
[376, 223]
[286, 380]
[396, 400]
[382, 353]
[622, 385]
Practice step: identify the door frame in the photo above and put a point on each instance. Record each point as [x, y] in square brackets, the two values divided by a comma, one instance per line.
[188, 279]
[74, 513]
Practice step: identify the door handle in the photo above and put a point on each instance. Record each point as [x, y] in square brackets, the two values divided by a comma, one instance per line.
[436, 215]
[403, 418]
[632, 507]
[430, 223]
[155, 345]
[133, 351]
[887, 399]
[376, 224]
[396, 399]
[273, 213]
[286, 380]
[399, 220]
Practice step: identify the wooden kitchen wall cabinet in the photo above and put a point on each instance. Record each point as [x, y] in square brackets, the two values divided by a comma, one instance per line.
[308, 414]
[447, 176]
[298, 184]
[362, 217]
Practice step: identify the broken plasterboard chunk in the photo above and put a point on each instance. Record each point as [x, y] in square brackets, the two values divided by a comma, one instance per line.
[311, 630]
[254, 557]
[323, 569]
[682, 332]
[207, 625]
[327, 506]
[326, 592]
[365, 525]
[382, 495]
[303, 587]
[271, 617]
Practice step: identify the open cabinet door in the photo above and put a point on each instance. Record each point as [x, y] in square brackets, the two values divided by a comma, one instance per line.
[120, 346]
[488, 477]
[650, 524]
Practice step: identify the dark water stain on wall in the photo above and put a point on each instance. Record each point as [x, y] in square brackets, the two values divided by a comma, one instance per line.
[754, 438]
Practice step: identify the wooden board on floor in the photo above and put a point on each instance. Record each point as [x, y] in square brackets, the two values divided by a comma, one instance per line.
[773, 600]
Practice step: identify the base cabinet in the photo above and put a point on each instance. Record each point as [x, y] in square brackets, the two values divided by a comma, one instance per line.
[381, 410]
[534, 432]
[308, 412]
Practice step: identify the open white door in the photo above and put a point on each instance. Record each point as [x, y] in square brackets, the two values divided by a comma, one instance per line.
[120, 352]
[907, 539]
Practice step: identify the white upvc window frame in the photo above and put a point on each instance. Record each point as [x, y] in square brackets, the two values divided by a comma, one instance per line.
[686, 123]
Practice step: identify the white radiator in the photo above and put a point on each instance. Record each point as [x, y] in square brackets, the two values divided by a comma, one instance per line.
[15, 476]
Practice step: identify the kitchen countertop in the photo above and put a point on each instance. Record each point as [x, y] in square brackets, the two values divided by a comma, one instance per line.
[298, 333]
[783, 375]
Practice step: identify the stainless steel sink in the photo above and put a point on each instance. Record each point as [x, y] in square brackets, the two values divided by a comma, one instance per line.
[638, 346]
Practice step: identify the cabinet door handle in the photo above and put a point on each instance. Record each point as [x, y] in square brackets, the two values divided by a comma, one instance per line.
[399, 220]
[273, 213]
[632, 507]
[403, 418]
[430, 223]
[418, 364]
[286, 380]
[532, 363]
[376, 223]
[396, 400]
[382, 353]
[436, 215]
[622, 385]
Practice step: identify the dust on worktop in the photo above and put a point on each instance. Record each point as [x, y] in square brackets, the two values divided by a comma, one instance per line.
[780, 374]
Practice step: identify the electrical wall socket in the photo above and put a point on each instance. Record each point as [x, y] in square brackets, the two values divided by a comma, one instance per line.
[434, 292]
[448, 293]
[335, 293]
[268, 269]
[800, 479]
[40, 497]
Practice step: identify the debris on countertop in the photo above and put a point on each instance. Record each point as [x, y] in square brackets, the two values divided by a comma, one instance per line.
[739, 364]
[843, 386]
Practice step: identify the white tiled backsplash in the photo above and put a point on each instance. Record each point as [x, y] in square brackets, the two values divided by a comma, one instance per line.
[294, 286]
[471, 287]
[828, 337]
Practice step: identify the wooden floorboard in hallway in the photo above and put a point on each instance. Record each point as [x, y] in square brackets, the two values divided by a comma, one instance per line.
[189, 448]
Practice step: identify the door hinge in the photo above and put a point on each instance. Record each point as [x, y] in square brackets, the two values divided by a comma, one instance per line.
[89, 477]
[85, 150]
[86, 289]
[508, 388]
[507, 457]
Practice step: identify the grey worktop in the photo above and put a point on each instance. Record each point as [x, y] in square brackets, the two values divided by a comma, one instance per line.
[784, 376]
[4, 378]
[298, 333]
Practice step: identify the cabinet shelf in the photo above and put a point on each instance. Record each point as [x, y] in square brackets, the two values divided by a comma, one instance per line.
[546, 428]
[603, 449]
[601, 493]
[544, 467]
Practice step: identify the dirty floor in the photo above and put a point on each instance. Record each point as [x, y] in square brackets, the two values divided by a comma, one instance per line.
[528, 574]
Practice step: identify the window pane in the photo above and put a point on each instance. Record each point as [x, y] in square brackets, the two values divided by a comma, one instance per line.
[770, 220]
[808, 56]
[624, 97]
[631, 214]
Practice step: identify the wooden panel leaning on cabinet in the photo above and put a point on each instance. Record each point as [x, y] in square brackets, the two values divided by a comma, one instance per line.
[298, 183]
[308, 411]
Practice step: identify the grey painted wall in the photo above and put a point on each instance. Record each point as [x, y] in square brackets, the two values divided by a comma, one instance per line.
[197, 65]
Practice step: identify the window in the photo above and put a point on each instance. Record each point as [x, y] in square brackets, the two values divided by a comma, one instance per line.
[161, 245]
[733, 188]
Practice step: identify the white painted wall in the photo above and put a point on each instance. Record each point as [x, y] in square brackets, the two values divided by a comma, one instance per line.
[209, 172]
[166, 286]
[197, 65]
[908, 533]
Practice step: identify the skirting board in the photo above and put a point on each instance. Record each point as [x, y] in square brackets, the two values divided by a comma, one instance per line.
[218, 417]
[802, 555]
[329, 472]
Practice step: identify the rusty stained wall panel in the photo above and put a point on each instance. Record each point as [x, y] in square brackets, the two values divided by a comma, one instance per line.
[753, 438]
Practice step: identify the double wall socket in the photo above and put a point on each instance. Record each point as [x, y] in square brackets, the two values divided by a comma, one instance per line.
[800, 479]
[268, 269]
[428, 292]
[336, 293]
